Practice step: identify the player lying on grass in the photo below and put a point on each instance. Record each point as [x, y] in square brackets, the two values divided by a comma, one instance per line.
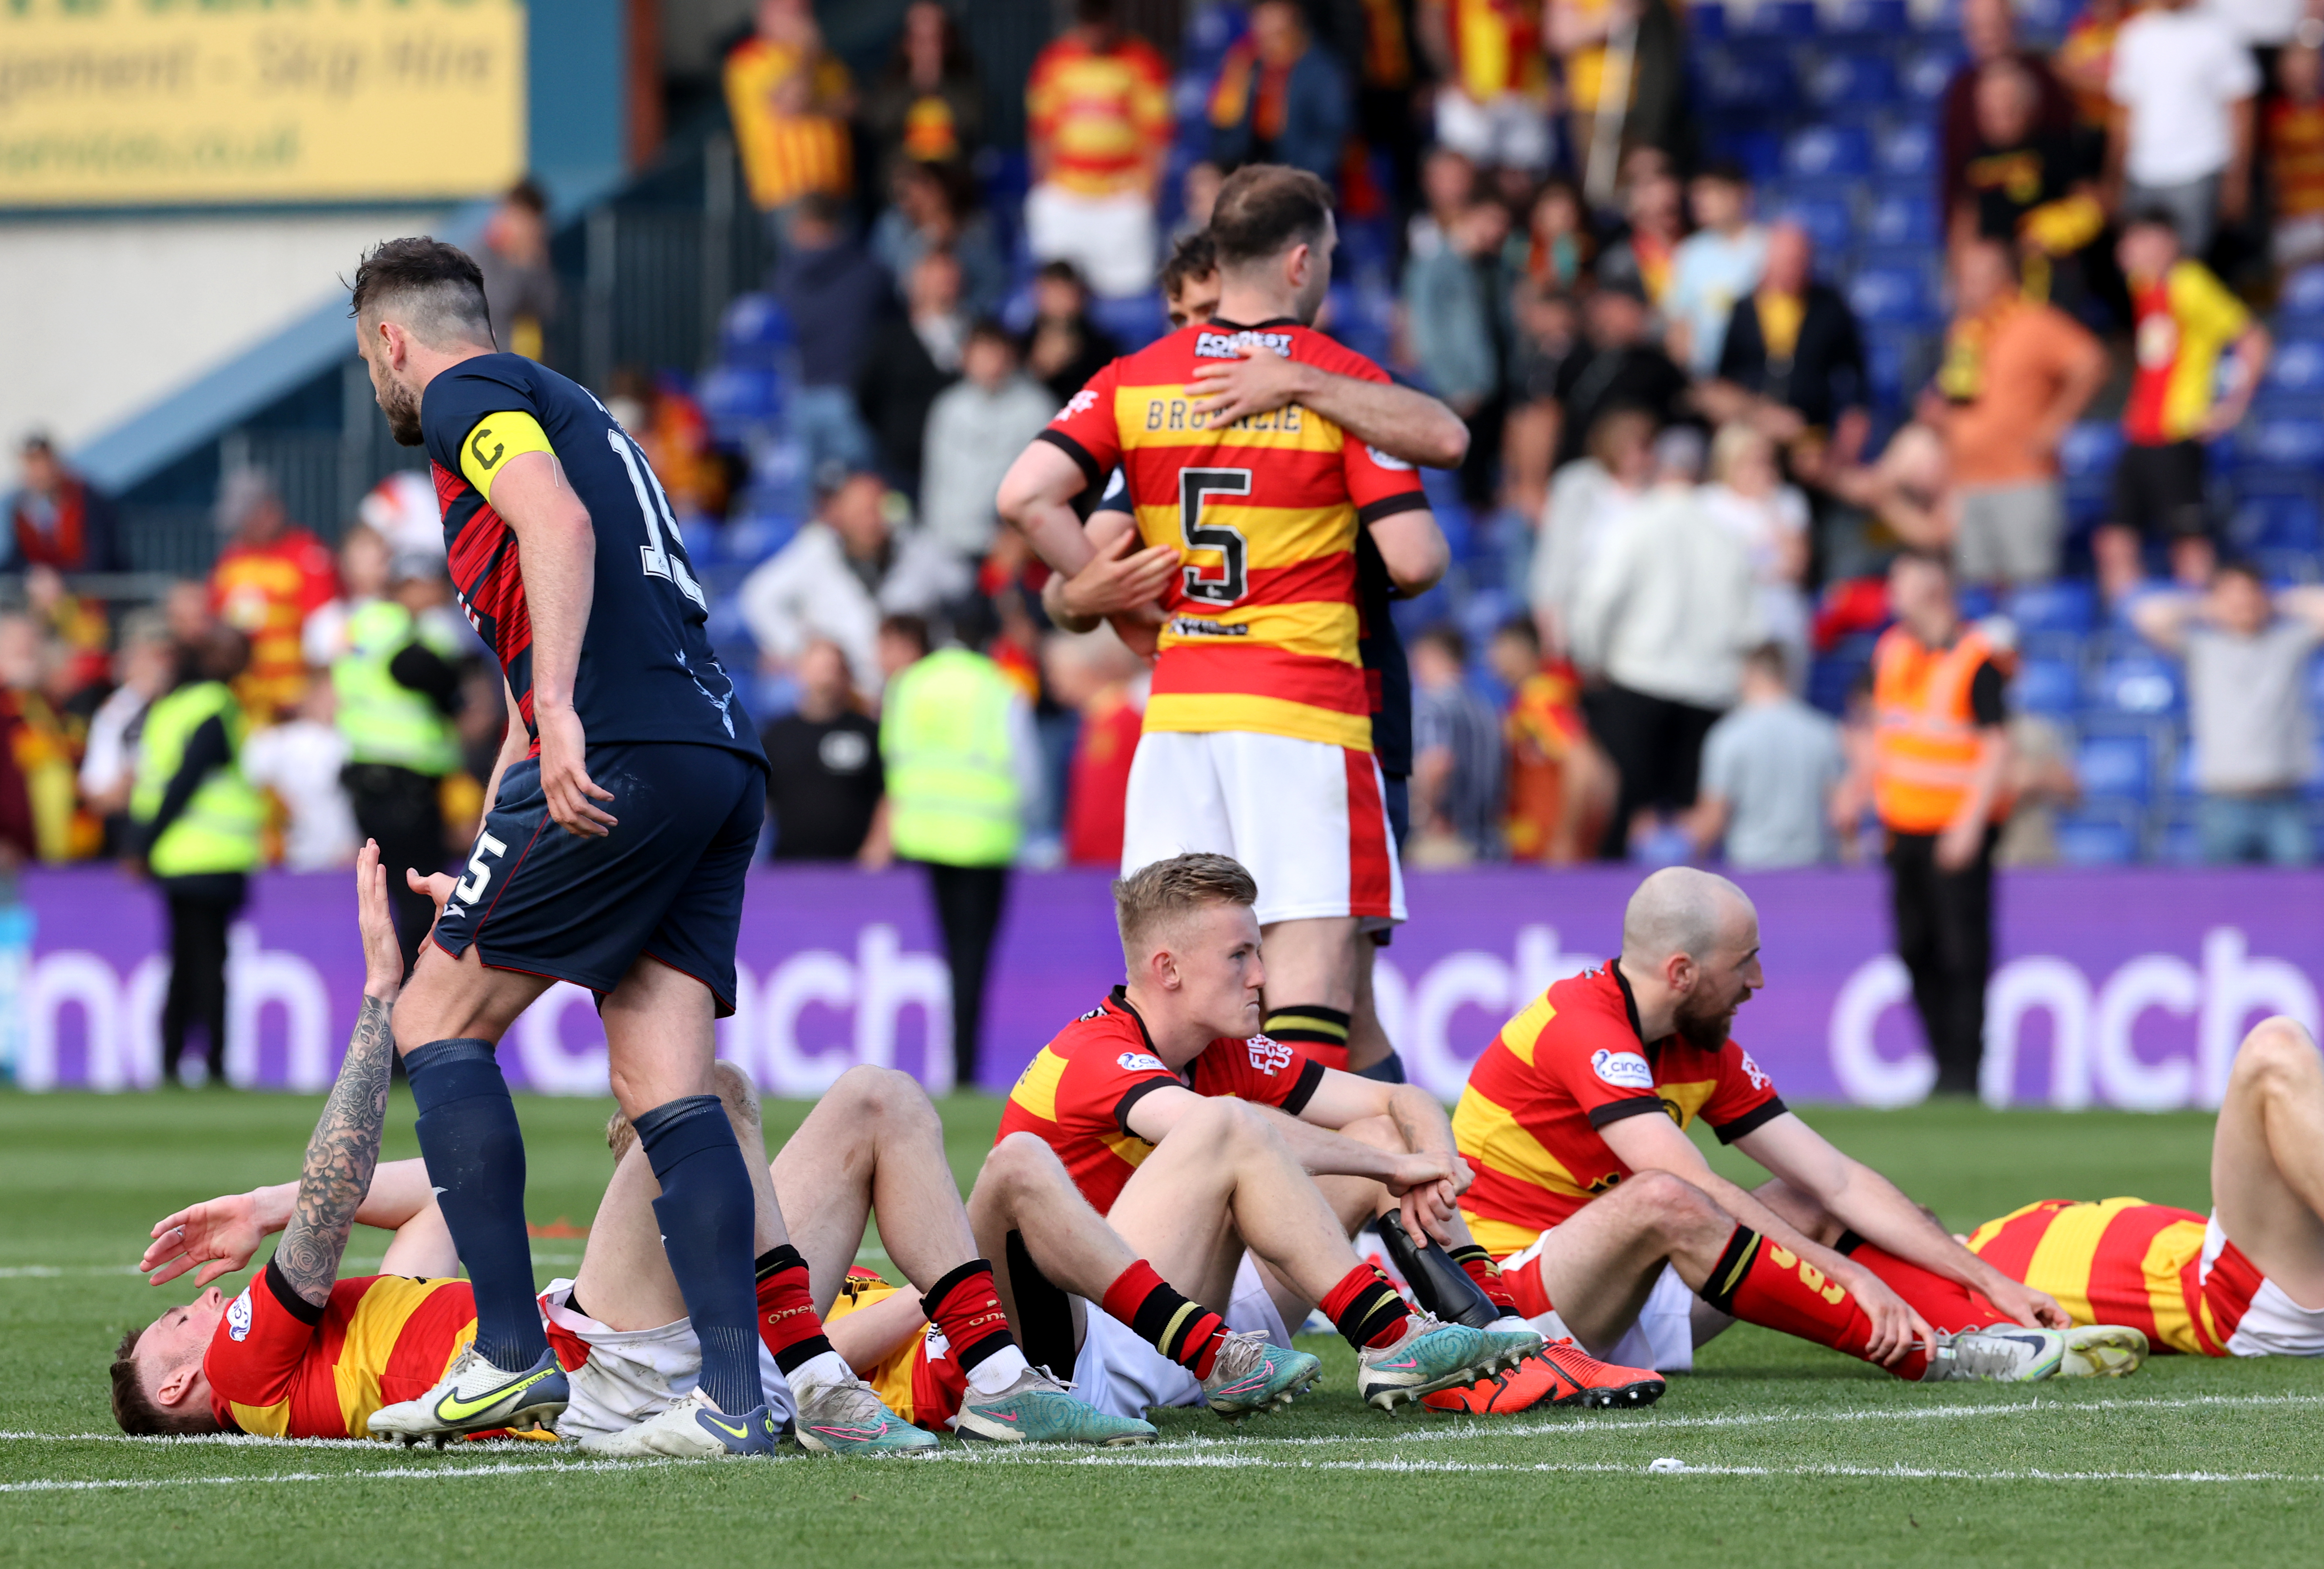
[302, 1354]
[2234, 1284]
[1609, 1221]
[1164, 1092]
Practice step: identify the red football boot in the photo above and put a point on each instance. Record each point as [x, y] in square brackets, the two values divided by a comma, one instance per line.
[1602, 1383]
[1535, 1381]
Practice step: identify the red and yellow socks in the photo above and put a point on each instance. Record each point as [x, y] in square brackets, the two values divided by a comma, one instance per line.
[789, 1324]
[1948, 1304]
[1366, 1310]
[1181, 1329]
[1763, 1283]
[1482, 1269]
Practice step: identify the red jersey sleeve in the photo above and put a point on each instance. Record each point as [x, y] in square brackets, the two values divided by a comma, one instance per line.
[1599, 1062]
[1103, 1082]
[266, 1334]
[1085, 430]
[1262, 1069]
[1745, 1097]
[1379, 485]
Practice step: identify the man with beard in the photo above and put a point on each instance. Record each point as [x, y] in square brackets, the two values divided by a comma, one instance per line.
[623, 811]
[1605, 1215]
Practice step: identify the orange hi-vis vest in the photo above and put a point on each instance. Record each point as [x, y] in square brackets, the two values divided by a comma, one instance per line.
[1925, 738]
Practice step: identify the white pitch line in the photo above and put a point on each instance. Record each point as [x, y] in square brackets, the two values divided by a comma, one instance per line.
[397, 1473]
[1592, 1424]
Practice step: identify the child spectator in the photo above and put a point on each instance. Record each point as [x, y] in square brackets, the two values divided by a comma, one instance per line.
[2185, 319]
[1770, 770]
[1747, 493]
[300, 760]
[1456, 761]
[1713, 268]
[1555, 248]
[1560, 787]
[1104, 683]
[2295, 152]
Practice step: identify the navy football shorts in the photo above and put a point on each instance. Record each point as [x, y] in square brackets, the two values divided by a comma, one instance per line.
[667, 883]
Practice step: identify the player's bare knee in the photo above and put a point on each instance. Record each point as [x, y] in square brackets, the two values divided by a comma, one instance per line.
[885, 1093]
[738, 1094]
[1015, 1165]
[1677, 1210]
[2276, 1058]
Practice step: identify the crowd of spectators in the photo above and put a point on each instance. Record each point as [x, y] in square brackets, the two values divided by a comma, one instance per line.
[1681, 485]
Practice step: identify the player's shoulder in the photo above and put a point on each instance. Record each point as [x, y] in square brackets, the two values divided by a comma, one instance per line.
[1106, 1032]
[462, 394]
[1326, 352]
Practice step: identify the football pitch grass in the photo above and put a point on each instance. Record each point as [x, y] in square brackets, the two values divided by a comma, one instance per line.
[1794, 1454]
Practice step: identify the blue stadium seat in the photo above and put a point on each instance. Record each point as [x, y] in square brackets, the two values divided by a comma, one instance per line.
[1974, 601]
[1880, 19]
[735, 399]
[1759, 152]
[1830, 223]
[1902, 220]
[1908, 151]
[1706, 21]
[2067, 605]
[2178, 842]
[1892, 296]
[754, 330]
[1926, 72]
[2045, 20]
[2316, 685]
[2049, 686]
[2297, 367]
[2281, 443]
[2276, 523]
[1736, 79]
[1851, 78]
[2182, 773]
[2091, 447]
[2303, 293]
[2121, 765]
[2100, 833]
[1787, 19]
[1826, 152]
[2143, 686]
[1132, 321]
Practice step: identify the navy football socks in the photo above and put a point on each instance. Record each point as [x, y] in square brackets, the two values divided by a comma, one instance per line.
[474, 1151]
[706, 1210]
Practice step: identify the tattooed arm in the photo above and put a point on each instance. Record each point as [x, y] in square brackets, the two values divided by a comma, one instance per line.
[341, 1156]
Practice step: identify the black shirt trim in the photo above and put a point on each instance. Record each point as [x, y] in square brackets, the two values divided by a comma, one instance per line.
[1750, 1120]
[1988, 699]
[1131, 1097]
[1614, 1111]
[298, 1307]
[1372, 512]
[1629, 1000]
[1311, 1079]
[1093, 476]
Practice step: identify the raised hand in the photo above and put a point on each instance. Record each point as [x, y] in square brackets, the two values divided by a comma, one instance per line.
[219, 1235]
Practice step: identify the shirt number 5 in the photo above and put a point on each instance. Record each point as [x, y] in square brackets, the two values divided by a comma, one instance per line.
[1226, 583]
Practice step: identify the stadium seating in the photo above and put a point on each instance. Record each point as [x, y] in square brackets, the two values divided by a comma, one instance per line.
[2100, 833]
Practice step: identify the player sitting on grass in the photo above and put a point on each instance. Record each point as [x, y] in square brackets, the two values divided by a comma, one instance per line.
[1199, 1137]
[1606, 1217]
[300, 1354]
[2233, 1285]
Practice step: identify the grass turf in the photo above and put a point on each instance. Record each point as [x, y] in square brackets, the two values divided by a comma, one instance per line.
[1798, 1454]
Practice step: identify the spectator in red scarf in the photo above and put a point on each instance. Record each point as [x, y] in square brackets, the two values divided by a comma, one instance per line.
[1279, 98]
[58, 519]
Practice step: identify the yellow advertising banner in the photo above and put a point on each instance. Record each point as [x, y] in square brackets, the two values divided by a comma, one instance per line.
[137, 102]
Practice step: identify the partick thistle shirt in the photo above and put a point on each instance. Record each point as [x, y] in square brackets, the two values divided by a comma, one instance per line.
[281, 1366]
[1077, 1093]
[1265, 616]
[1567, 1066]
[2125, 1261]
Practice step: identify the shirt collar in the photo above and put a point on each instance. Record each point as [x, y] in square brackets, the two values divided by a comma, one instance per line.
[1630, 1005]
[1224, 325]
[1119, 997]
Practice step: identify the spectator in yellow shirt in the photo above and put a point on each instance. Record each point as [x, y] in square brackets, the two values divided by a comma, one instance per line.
[789, 99]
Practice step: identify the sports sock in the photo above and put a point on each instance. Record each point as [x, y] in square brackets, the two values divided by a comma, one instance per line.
[1366, 1310]
[1761, 1283]
[966, 1308]
[788, 1326]
[1320, 1032]
[1948, 1304]
[1488, 1275]
[1181, 1329]
[475, 1151]
[706, 1211]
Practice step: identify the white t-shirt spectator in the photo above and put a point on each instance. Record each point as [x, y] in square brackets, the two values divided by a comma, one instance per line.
[300, 762]
[2176, 72]
[2246, 706]
[2262, 23]
[1774, 764]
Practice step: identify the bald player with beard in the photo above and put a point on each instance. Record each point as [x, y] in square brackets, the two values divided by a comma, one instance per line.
[1606, 1217]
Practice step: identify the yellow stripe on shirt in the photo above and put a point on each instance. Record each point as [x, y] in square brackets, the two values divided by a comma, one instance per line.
[1169, 415]
[1492, 1137]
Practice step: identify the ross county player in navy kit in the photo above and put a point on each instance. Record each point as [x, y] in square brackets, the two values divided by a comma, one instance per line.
[625, 806]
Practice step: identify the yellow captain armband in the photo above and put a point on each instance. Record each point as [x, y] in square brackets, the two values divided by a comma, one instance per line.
[497, 438]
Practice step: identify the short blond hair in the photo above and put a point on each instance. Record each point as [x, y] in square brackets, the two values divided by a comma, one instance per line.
[1161, 894]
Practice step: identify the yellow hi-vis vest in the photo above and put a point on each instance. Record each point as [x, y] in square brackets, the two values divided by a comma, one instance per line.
[953, 794]
[218, 830]
[385, 720]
